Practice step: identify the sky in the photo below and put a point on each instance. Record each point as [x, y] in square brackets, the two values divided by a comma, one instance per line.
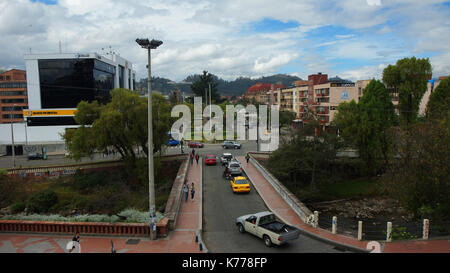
[352, 39]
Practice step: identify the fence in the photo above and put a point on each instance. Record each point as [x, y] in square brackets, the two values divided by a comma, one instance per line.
[376, 230]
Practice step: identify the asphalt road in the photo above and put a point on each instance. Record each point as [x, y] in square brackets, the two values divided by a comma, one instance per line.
[221, 207]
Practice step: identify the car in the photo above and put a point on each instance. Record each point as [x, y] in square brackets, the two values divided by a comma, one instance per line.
[210, 160]
[235, 167]
[266, 226]
[173, 142]
[35, 156]
[225, 158]
[195, 144]
[240, 184]
[228, 144]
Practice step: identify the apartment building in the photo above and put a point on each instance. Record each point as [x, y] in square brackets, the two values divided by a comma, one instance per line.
[13, 96]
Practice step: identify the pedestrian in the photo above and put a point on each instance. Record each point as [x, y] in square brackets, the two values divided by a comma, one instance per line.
[247, 157]
[193, 151]
[196, 158]
[186, 192]
[192, 192]
[191, 158]
[76, 243]
[181, 142]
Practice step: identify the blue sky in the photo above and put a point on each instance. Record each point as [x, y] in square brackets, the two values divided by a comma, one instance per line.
[354, 39]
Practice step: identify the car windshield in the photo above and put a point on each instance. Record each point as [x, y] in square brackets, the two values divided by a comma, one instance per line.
[241, 181]
[234, 165]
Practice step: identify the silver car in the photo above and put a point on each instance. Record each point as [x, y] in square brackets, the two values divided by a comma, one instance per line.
[235, 168]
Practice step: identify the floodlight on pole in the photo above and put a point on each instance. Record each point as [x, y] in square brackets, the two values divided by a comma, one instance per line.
[153, 44]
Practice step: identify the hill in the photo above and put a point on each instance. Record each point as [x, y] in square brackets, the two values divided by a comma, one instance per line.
[226, 88]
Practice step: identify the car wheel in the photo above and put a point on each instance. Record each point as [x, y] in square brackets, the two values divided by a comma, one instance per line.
[241, 228]
[267, 241]
[236, 147]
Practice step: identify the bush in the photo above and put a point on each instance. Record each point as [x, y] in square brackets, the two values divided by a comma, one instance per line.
[86, 181]
[18, 207]
[42, 201]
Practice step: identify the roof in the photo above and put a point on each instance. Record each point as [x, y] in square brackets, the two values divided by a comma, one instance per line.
[263, 87]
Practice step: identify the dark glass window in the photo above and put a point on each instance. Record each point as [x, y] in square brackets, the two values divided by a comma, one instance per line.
[13, 116]
[13, 93]
[50, 121]
[121, 76]
[13, 85]
[66, 82]
[14, 101]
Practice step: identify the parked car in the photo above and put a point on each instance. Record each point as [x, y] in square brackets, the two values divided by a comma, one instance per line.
[35, 156]
[225, 158]
[173, 142]
[228, 144]
[210, 160]
[240, 184]
[266, 226]
[195, 144]
[235, 167]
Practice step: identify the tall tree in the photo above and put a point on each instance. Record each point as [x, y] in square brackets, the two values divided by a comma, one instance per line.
[201, 87]
[365, 124]
[120, 125]
[439, 104]
[408, 78]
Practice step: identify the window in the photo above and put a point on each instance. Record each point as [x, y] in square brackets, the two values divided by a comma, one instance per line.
[14, 116]
[1, 78]
[13, 85]
[14, 101]
[66, 82]
[121, 76]
[13, 93]
[8, 78]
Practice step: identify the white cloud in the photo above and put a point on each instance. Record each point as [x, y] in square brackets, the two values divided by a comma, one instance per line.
[209, 35]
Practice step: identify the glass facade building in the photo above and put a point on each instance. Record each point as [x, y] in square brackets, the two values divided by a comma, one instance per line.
[66, 82]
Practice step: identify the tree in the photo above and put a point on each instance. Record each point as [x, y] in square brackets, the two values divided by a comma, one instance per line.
[408, 78]
[439, 104]
[365, 124]
[286, 118]
[306, 158]
[120, 125]
[201, 85]
[418, 177]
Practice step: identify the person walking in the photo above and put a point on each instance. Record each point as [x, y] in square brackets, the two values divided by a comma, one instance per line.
[186, 192]
[192, 192]
[247, 157]
[191, 158]
[182, 150]
[76, 247]
[196, 158]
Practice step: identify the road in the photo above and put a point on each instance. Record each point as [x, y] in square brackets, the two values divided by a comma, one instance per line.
[221, 207]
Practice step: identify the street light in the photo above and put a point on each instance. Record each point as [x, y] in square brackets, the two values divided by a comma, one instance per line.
[12, 136]
[153, 44]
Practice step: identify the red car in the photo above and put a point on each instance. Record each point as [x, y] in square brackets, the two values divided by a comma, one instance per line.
[210, 160]
[195, 144]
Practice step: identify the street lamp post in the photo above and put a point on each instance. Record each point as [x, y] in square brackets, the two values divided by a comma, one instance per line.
[12, 137]
[153, 44]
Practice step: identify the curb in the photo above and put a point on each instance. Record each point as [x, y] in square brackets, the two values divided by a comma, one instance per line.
[307, 233]
[200, 214]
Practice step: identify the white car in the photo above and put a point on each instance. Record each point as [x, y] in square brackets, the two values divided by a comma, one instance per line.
[265, 226]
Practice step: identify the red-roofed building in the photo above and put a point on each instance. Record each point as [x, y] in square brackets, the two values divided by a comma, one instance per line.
[259, 91]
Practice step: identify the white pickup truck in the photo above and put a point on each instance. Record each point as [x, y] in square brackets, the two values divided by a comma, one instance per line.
[265, 226]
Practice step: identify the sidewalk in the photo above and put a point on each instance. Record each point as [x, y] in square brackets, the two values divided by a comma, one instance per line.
[278, 206]
[181, 240]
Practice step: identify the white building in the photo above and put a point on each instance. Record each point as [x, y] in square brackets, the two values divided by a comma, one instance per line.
[56, 83]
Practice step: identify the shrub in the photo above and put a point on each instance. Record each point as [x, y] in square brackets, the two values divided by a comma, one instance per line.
[18, 207]
[42, 201]
[86, 181]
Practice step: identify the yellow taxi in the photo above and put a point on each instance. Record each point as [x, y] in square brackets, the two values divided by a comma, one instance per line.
[240, 184]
